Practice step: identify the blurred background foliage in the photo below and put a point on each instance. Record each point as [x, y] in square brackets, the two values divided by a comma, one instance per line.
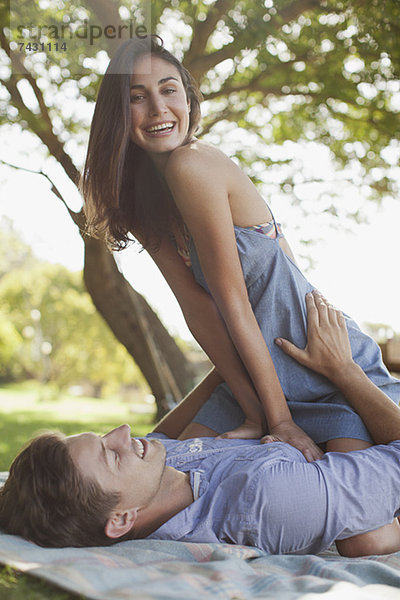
[50, 329]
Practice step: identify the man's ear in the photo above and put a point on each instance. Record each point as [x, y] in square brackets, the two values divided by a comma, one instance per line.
[119, 523]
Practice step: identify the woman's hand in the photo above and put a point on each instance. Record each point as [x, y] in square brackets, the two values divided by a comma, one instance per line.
[286, 431]
[290, 433]
[328, 350]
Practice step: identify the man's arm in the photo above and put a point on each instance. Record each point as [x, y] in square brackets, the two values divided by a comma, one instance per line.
[328, 352]
[174, 423]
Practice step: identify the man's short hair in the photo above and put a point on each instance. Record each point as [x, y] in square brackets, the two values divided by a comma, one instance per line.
[47, 501]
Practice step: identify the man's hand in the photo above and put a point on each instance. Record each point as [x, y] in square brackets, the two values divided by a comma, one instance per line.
[290, 433]
[328, 350]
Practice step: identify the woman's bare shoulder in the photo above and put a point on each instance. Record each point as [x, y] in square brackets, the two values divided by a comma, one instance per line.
[197, 154]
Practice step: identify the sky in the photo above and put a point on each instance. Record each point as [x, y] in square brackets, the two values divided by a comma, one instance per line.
[356, 266]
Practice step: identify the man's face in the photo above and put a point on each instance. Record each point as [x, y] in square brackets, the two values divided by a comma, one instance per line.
[120, 463]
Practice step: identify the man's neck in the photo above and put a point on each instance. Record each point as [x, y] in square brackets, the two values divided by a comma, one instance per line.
[174, 495]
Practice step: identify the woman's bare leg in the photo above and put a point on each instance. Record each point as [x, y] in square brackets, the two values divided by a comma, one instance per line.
[346, 445]
[196, 430]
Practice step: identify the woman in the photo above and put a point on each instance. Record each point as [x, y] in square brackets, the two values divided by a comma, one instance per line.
[218, 246]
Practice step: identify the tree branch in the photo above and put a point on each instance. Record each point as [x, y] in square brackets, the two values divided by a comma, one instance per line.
[202, 30]
[107, 13]
[199, 63]
[294, 10]
[77, 217]
[226, 113]
[229, 87]
[40, 124]
[15, 60]
[376, 124]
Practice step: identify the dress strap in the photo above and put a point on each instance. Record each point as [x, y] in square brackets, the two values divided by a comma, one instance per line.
[182, 247]
[278, 227]
[271, 229]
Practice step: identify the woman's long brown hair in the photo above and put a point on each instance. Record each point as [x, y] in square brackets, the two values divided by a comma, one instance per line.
[123, 191]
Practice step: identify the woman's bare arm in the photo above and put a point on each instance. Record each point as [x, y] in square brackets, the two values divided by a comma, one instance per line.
[206, 325]
[328, 352]
[202, 198]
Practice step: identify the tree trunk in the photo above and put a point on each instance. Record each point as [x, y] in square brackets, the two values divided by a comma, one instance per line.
[137, 327]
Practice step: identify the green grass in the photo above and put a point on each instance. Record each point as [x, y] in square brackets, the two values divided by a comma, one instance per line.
[15, 586]
[28, 408]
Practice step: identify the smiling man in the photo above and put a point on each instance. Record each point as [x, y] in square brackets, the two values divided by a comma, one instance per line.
[88, 490]
[149, 492]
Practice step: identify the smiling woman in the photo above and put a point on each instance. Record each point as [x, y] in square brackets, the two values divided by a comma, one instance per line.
[152, 99]
[123, 189]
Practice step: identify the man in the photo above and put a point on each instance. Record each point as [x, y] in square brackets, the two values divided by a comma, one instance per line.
[90, 490]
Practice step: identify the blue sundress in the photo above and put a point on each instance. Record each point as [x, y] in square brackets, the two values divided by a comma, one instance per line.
[277, 290]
